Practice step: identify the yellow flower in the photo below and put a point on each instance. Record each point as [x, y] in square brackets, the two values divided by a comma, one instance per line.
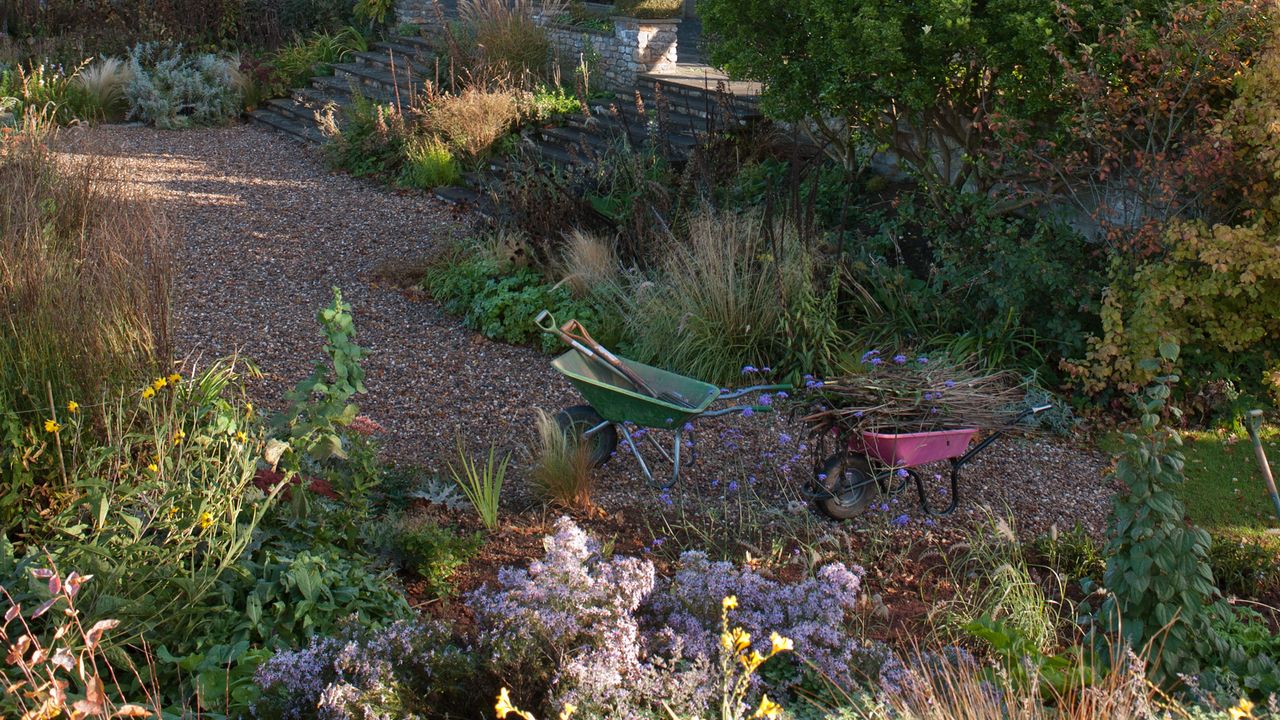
[781, 644]
[569, 710]
[736, 640]
[729, 603]
[159, 383]
[51, 426]
[206, 520]
[173, 511]
[241, 437]
[174, 378]
[1244, 709]
[504, 707]
[178, 437]
[148, 393]
[153, 468]
[73, 407]
[752, 661]
[768, 708]
[248, 409]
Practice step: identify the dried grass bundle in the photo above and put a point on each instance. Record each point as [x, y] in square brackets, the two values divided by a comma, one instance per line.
[902, 394]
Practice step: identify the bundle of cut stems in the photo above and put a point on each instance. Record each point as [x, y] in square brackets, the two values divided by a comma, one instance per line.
[902, 394]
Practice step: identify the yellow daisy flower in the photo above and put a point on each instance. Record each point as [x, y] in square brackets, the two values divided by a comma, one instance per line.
[174, 379]
[159, 383]
[178, 437]
[51, 426]
[73, 407]
[153, 468]
[148, 393]
[241, 437]
[206, 520]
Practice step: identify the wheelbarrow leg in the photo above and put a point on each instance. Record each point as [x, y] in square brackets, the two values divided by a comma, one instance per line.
[955, 491]
[674, 457]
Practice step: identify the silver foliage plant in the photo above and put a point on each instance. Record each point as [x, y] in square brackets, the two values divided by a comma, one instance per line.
[171, 90]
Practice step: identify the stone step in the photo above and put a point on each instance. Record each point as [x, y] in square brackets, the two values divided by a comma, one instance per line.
[405, 66]
[287, 125]
[378, 79]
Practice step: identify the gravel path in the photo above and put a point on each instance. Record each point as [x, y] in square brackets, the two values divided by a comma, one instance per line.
[265, 230]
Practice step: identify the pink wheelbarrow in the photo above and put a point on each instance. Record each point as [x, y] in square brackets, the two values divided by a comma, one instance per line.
[871, 464]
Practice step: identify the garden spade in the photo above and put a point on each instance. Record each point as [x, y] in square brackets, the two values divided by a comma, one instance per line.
[1254, 425]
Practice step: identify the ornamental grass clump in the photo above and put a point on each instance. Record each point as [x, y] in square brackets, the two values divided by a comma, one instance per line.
[562, 470]
[84, 275]
[906, 393]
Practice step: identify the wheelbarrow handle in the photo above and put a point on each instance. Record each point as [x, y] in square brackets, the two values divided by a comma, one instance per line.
[1254, 427]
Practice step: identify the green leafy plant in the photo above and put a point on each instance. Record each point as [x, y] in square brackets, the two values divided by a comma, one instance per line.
[298, 61]
[1160, 586]
[1024, 664]
[482, 484]
[433, 551]
[1243, 568]
[320, 406]
[374, 12]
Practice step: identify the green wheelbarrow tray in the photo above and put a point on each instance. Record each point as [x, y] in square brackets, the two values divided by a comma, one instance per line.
[618, 406]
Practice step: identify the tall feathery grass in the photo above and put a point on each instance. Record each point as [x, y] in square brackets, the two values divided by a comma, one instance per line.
[718, 300]
[84, 273]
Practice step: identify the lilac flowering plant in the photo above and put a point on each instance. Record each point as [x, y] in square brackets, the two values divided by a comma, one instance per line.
[814, 612]
[399, 672]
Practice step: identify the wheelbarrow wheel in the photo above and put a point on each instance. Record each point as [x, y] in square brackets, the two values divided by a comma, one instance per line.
[577, 420]
[849, 484]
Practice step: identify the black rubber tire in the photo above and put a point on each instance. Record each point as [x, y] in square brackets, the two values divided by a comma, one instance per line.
[850, 486]
[577, 420]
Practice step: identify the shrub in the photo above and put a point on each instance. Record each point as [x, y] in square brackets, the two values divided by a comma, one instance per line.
[1074, 555]
[649, 8]
[372, 140]
[171, 90]
[718, 301]
[432, 551]
[1243, 568]
[547, 103]
[472, 120]
[562, 469]
[428, 164]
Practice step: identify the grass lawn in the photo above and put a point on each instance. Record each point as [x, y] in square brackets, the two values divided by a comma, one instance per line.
[1224, 492]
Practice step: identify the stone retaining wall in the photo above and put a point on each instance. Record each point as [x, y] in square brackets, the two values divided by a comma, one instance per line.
[633, 47]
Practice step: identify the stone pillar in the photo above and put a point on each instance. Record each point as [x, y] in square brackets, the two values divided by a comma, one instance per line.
[644, 46]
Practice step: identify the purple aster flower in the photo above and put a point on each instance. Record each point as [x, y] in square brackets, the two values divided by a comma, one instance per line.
[766, 369]
[869, 354]
[950, 383]
[665, 498]
[900, 359]
[901, 520]
[748, 412]
[748, 369]
[688, 427]
[902, 472]
[922, 360]
[884, 507]
[766, 399]
[732, 486]
[858, 414]
[782, 395]
[784, 438]
[877, 361]
[929, 522]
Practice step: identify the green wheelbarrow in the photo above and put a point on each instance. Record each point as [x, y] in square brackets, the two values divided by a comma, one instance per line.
[667, 402]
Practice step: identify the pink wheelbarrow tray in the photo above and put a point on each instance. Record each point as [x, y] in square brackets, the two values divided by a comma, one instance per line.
[871, 463]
